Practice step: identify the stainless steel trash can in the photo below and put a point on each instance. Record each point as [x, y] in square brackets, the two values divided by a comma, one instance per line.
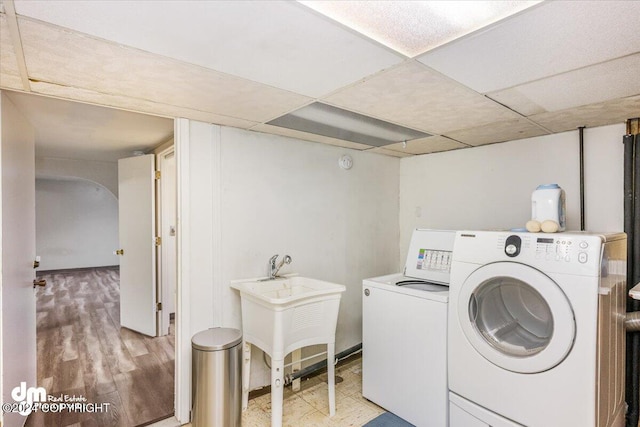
[216, 378]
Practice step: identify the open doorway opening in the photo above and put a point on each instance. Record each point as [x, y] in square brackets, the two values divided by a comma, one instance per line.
[84, 354]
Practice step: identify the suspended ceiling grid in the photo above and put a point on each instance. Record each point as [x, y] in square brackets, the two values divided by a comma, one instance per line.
[549, 68]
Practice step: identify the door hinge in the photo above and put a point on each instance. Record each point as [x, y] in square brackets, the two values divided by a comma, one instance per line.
[159, 306]
[158, 241]
[158, 173]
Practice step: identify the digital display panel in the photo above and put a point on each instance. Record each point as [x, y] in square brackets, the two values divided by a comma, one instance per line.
[545, 240]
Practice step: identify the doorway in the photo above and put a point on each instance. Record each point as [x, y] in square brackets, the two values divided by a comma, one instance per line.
[83, 352]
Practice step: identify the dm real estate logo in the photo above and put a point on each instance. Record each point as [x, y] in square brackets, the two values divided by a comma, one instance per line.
[26, 398]
[34, 399]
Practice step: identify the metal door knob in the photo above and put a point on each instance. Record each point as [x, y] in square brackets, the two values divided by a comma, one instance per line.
[39, 282]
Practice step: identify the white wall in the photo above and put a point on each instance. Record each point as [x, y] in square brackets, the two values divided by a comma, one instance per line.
[281, 196]
[253, 195]
[76, 224]
[489, 187]
[104, 173]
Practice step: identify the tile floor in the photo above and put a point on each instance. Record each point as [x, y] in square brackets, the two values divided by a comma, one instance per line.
[310, 405]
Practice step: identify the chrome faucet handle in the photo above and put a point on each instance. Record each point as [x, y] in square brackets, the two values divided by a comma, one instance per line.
[271, 268]
[285, 260]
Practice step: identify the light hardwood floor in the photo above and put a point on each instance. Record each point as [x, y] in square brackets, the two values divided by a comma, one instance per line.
[83, 351]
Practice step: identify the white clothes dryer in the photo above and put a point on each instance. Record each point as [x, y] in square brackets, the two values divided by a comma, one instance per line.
[536, 329]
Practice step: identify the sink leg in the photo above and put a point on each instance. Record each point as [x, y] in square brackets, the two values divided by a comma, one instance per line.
[246, 370]
[277, 388]
[331, 373]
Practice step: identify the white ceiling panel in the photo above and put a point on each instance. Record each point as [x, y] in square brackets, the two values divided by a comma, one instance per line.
[498, 132]
[72, 130]
[278, 43]
[135, 104]
[515, 100]
[618, 78]
[432, 144]
[292, 133]
[9, 71]
[605, 113]
[384, 151]
[62, 57]
[549, 39]
[414, 96]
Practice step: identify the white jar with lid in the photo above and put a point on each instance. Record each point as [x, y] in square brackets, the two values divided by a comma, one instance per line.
[548, 203]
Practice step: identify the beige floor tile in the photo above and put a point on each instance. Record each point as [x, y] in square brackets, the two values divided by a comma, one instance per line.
[254, 416]
[293, 407]
[350, 412]
[312, 419]
[310, 406]
[318, 397]
[351, 384]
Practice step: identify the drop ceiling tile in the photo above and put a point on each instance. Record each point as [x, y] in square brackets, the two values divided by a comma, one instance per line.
[62, 57]
[384, 151]
[414, 96]
[9, 71]
[498, 132]
[515, 100]
[604, 113]
[590, 85]
[277, 43]
[552, 38]
[135, 104]
[73, 130]
[10, 81]
[276, 130]
[432, 144]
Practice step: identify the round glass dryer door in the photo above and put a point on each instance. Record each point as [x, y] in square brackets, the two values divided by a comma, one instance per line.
[516, 317]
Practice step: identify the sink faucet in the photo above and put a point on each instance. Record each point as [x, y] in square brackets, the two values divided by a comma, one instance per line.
[273, 268]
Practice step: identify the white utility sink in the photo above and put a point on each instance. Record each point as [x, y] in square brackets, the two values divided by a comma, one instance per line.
[282, 292]
[282, 315]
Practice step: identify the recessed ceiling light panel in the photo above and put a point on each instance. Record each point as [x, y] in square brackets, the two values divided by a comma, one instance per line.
[333, 122]
[414, 27]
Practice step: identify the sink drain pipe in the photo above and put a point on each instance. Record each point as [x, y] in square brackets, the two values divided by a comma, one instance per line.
[312, 369]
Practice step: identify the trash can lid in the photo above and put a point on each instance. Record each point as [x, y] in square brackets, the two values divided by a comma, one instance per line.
[216, 339]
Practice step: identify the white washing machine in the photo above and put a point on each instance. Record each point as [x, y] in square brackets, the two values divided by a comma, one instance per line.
[536, 330]
[404, 333]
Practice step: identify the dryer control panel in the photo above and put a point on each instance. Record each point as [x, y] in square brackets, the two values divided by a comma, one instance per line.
[562, 249]
[572, 253]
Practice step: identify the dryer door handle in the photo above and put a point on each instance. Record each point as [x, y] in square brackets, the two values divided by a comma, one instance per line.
[473, 308]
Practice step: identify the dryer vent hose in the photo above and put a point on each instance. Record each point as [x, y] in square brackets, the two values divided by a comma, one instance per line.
[632, 322]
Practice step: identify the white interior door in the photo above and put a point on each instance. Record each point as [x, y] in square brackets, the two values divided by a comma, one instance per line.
[17, 237]
[136, 211]
[167, 220]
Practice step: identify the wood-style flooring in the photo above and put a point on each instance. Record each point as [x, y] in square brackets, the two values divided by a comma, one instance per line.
[83, 351]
